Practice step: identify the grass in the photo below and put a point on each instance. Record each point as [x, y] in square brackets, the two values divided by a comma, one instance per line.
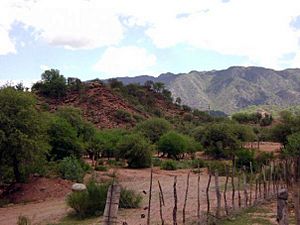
[257, 216]
[73, 220]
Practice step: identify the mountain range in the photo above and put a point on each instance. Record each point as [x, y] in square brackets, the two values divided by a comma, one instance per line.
[232, 89]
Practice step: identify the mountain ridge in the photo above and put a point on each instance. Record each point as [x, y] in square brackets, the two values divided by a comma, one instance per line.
[231, 89]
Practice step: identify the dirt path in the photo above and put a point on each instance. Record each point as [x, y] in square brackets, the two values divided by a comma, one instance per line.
[41, 212]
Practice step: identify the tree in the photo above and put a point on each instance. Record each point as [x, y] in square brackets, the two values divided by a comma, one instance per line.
[178, 100]
[292, 147]
[64, 140]
[173, 144]
[158, 87]
[153, 128]
[136, 149]
[22, 134]
[52, 85]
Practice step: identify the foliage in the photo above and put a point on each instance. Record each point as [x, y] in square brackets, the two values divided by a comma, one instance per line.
[129, 199]
[63, 139]
[23, 220]
[92, 201]
[123, 116]
[101, 168]
[70, 168]
[53, 84]
[136, 149]
[172, 144]
[244, 158]
[153, 128]
[169, 165]
[293, 145]
[22, 131]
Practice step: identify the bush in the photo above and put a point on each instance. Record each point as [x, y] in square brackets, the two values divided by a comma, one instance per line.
[101, 168]
[92, 201]
[244, 158]
[70, 168]
[217, 165]
[130, 199]
[23, 220]
[173, 144]
[136, 150]
[169, 165]
[156, 161]
[123, 116]
[153, 128]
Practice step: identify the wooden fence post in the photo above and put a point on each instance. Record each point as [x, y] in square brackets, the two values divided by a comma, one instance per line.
[175, 202]
[185, 197]
[282, 207]
[160, 208]
[150, 196]
[245, 187]
[233, 186]
[225, 191]
[207, 196]
[198, 197]
[239, 191]
[112, 205]
[218, 194]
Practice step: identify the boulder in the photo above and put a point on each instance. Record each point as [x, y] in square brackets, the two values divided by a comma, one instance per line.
[78, 187]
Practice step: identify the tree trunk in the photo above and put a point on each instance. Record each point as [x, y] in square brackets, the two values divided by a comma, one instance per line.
[16, 169]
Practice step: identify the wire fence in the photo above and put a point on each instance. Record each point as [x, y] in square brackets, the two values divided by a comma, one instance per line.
[204, 197]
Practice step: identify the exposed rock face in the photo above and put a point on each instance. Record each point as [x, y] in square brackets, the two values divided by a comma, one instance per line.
[232, 89]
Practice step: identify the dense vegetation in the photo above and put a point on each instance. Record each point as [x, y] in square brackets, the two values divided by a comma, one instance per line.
[34, 140]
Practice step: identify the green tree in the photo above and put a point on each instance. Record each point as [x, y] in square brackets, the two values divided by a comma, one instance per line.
[153, 128]
[22, 133]
[136, 149]
[53, 84]
[173, 144]
[292, 147]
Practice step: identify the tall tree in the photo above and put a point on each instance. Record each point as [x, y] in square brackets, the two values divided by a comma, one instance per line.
[22, 134]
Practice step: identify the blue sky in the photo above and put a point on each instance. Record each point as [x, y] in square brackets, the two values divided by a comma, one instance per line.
[101, 39]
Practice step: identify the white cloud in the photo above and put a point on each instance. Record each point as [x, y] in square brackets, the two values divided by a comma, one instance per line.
[258, 30]
[125, 61]
[44, 67]
[27, 82]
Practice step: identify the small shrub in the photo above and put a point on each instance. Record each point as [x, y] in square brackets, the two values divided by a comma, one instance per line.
[156, 161]
[169, 165]
[23, 220]
[101, 168]
[195, 163]
[71, 169]
[4, 202]
[130, 199]
[116, 163]
[123, 115]
[91, 202]
[217, 165]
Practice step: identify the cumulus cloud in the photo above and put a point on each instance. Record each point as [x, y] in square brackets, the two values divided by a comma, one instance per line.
[44, 67]
[125, 61]
[262, 31]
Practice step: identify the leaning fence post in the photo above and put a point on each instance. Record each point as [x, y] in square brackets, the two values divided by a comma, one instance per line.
[218, 194]
[112, 205]
[282, 207]
[150, 196]
[198, 196]
[185, 197]
[207, 196]
[175, 202]
[225, 191]
[245, 187]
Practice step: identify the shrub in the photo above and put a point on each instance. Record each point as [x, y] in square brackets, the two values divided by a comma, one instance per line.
[101, 168]
[130, 199]
[136, 150]
[123, 116]
[23, 220]
[169, 165]
[156, 161]
[173, 144]
[153, 128]
[92, 201]
[70, 169]
[244, 158]
[217, 165]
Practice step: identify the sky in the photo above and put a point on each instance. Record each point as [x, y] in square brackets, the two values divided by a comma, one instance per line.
[108, 38]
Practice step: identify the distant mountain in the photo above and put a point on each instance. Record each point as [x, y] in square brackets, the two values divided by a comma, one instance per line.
[232, 89]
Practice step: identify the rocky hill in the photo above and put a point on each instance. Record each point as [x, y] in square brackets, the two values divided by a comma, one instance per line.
[107, 108]
[232, 89]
